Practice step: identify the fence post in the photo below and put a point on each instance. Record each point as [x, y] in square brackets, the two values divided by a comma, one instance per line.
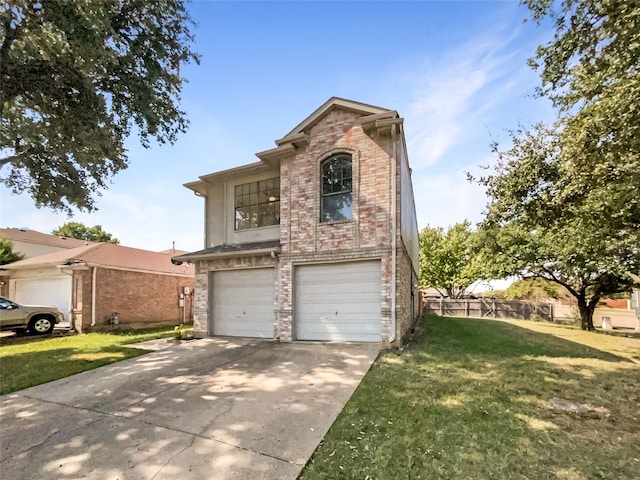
[493, 308]
[441, 306]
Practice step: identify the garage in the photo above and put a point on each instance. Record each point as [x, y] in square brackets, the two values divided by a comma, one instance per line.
[243, 302]
[338, 302]
[44, 291]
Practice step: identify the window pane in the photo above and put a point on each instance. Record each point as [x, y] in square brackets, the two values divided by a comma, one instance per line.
[257, 204]
[336, 207]
[336, 188]
[242, 220]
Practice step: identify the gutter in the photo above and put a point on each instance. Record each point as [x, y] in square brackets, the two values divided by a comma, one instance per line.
[394, 231]
[241, 253]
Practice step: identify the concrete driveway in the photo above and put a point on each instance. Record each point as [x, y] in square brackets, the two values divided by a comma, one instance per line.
[206, 409]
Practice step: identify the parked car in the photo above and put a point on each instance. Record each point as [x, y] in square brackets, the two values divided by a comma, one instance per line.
[39, 320]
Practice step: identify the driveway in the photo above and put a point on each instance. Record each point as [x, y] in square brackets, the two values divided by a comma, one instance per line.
[206, 409]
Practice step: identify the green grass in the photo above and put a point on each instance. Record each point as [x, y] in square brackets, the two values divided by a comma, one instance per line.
[469, 399]
[29, 361]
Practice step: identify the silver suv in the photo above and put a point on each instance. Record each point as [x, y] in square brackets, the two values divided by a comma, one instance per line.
[39, 320]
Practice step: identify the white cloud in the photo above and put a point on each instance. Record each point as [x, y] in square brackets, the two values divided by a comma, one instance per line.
[447, 198]
[450, 96]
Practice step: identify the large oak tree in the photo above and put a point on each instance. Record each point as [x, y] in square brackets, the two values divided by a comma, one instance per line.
[565, 199]
[76, 78]
[538, 225]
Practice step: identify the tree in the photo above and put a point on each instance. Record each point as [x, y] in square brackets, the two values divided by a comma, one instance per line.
[7, 255]
[564, 200]
[538, 225]
[75, 79]
[447, 260]
[82, 232]
[532, 289]
[591, 72]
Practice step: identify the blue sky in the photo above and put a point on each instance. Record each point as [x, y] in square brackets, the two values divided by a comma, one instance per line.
[455, 70]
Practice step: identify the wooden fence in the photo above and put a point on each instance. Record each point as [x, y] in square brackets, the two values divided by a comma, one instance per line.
[488, 308]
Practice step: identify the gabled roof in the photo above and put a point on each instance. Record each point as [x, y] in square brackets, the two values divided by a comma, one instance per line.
[106, 255]
[298, 137]
[372, 117]
[331, 104]
[39, 238]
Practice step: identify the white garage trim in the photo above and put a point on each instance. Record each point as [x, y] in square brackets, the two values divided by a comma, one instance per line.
[43, 291]
[339, 301]
[242, 302]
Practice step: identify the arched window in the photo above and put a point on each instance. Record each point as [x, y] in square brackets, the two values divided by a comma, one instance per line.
[336, 188]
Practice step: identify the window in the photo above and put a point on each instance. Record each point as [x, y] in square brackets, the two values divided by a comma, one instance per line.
[257, 204]
[336, 188]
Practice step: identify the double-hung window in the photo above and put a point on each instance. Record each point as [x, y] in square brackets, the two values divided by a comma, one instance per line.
[257, 204]
[336, 188]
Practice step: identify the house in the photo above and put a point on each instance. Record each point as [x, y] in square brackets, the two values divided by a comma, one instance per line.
[100, 285]
[31, 243]
[318, 240]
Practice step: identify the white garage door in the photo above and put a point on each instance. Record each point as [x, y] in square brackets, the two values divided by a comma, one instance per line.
[243, 302]
[44, 291]
[338, 302]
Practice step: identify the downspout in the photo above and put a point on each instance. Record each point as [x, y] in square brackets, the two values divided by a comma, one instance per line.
[394, 232]
[93, 296]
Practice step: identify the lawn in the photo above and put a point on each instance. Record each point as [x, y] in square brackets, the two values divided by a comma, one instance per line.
[470, 399]
[29, 361]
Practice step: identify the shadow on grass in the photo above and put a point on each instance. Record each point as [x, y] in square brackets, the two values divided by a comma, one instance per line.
[470, 399]
[26, 369]
[472, 336]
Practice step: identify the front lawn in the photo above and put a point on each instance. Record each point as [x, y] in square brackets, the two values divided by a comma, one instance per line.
[470, 399]
[29, 361]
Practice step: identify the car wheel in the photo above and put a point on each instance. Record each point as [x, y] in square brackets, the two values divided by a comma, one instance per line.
[41, 325]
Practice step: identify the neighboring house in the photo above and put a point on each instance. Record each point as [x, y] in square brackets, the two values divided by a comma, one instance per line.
[32, 244]
[92, 283]
[316, 241]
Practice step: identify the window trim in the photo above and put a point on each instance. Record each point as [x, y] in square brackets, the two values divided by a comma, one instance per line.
[337, 155]
[258, 202]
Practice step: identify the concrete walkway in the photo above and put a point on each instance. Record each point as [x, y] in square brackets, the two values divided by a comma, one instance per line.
[205, 409]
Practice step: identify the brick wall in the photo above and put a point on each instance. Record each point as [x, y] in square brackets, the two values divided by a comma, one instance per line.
[300, 230]
[368, 235]
[406, 304]
[139, 299]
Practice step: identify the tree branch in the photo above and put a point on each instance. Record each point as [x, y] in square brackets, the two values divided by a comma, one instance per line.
[10, 159]
[555, 279]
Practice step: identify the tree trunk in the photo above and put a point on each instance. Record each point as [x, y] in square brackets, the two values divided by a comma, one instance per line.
[586, 313]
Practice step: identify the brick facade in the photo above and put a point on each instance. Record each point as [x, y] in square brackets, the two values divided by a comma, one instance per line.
[138, 298]
[306, 240]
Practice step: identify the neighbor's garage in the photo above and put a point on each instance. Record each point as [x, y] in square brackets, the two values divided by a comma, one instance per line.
[42, 287]
[243, 302]
[338, 302]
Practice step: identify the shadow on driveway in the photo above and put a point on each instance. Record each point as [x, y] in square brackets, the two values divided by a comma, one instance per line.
[211, 408]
